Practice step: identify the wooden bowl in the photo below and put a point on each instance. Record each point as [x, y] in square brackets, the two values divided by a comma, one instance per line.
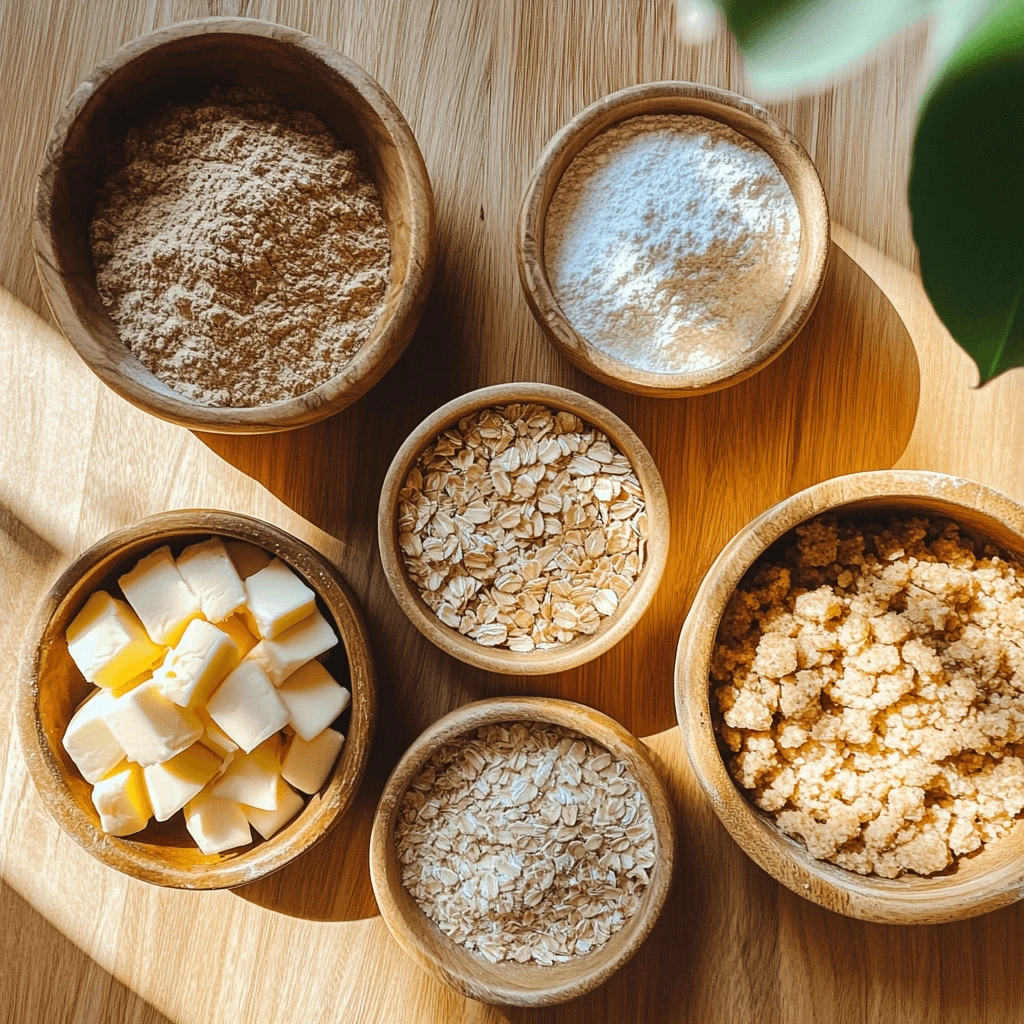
[51, 687]
[180, 64]
[979, 883]
[583, 648]
[515, 984]
[744, 116]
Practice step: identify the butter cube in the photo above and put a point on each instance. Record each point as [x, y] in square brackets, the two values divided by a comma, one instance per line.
[108, 643]
[214, 737]
[149, 727]
[277, 599]
[285, 654]
[172, 784]
[196, 664]
[89, 741]
[252, 779]
[236, 628]
[248, 559]
[216, 825]
[313, 699]
[308, 762]
[121, 802]
[213, 578]
[289, 803]
[246, 706]
[160, 597]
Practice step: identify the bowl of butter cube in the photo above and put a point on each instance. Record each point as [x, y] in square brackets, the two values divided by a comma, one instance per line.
[197, 699]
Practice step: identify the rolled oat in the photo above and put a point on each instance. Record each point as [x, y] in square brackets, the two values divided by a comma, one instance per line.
[526, 842]
[523, 527]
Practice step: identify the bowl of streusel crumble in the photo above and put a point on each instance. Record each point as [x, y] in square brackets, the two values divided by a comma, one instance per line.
[850, 687]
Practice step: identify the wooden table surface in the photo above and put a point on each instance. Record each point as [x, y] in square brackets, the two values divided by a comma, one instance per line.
[874, 381]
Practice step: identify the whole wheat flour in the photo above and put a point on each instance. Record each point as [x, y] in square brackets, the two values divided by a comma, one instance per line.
[240, 251]
[671, 241]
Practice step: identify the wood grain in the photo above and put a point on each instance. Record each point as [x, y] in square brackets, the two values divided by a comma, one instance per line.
[872, 381]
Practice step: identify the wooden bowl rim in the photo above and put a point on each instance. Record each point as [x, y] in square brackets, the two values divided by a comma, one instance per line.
[582, 649]
[327, 807]
[460, 973]
[390, 335]
[582, 129]
[907, 900]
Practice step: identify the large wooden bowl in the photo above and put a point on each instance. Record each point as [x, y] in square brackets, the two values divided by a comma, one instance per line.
[583, 648]
[515, 984]
[181, 64]
[979, 883]
[51, 687]
[744, 116]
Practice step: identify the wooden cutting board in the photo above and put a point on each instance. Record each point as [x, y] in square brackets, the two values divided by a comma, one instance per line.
[874, 381]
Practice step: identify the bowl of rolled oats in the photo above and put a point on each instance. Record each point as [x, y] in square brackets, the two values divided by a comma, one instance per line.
[850, 687]
[522, 849]
[523, 528]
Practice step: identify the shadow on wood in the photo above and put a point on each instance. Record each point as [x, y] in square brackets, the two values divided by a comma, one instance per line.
[842, 398]
[86, 992]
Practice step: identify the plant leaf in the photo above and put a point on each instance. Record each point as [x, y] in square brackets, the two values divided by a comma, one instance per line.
[967, 192]
[790, 44]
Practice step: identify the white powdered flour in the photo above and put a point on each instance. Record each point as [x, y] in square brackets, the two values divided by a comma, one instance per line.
[671, 241]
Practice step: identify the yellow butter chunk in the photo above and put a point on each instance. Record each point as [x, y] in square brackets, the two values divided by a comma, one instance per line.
[108, 643]
[121, 801]
[149, 727]
[160, 597]
[172, 784]
[196, 665]
[236, 628]
[252, 779]
[277, 599]
[212, 577]
[89, 741]
[247, 558]
[313, 699]
[289, 803]
[246, 706]
[216, 824]
[307, 764]
[287, 653]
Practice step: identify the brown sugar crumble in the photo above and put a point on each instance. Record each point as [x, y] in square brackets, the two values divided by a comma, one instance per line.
[869, 692]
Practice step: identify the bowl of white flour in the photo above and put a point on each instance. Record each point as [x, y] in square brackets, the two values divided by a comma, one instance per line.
[673, 239]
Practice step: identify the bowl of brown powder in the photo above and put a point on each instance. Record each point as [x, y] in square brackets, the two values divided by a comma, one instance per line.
[673, 239]
[522, 849]
[234, 226]
[848, 683]
[523, 528]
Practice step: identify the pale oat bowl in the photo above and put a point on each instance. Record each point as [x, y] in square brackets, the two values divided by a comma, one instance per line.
[618, 611]
[508, 983]
[992, 877]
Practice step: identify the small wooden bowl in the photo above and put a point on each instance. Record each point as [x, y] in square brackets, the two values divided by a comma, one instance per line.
[583, 648]
[182, 63]
[51, 687]
[515, 984]
[979, 883]
[744, 116]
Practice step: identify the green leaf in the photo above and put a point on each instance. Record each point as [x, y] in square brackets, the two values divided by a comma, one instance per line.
[791, 44]
[967, 192]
